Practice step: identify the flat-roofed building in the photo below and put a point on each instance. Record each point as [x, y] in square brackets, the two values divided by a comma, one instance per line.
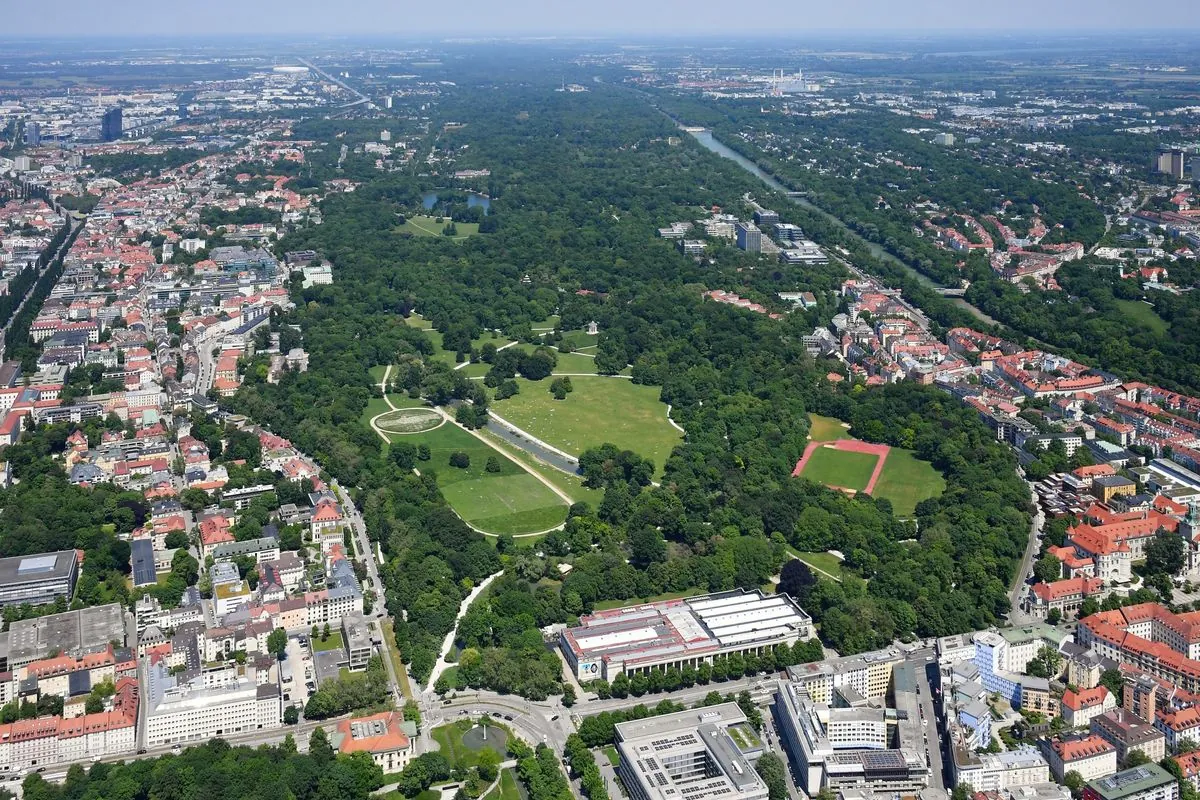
[357, 636]
[202, 705]
[682, 633]
[688, 755]
[1147, 782]
[38, 579]
[876, 750]
[72, 633]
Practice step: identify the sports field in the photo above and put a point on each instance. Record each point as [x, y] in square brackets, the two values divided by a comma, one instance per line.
[904, 480]
[842, 469]
[599, 410]
[508, 501]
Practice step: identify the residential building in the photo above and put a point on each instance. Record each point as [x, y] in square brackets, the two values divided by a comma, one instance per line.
[1001, 772]
[1080, 707]
[1129, 733]
[1091, 756]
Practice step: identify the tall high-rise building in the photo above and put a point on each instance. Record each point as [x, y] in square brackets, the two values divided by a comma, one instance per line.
[110, 125]
[1170, 162]
[749, 238]
[33, 134]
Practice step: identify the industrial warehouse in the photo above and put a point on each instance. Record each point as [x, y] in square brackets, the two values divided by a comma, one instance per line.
[681, 633]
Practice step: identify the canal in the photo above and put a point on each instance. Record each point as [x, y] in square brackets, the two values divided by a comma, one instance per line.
[706, 139]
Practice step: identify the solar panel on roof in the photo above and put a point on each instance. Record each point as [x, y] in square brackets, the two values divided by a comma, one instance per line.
[143, 563]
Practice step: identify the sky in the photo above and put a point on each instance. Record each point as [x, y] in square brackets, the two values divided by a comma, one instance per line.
[100, 18]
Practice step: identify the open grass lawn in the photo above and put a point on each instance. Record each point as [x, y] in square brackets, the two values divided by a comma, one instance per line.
[579, 339]
[376, 373]
[611, 754]
[567, 362]
[907, 480]
[428, 226]
[1144, 314]
[599, 410]
[334, 642]
[826, 562]
[415, 320]
[571, 485]
[508, 501]
[826, 429]
[840, 468]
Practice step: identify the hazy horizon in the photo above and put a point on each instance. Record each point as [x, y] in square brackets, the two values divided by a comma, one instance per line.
[668, 18]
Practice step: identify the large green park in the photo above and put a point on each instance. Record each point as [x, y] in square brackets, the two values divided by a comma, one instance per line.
[599, 409]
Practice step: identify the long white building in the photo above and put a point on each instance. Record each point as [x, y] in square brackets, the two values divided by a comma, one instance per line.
[204, 705]
[682, 633]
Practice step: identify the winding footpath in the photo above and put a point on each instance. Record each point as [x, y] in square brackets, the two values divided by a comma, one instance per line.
[440, 665]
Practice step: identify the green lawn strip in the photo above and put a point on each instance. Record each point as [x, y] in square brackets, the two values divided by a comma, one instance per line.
[375, 407]
[907, 480]
[571, 485]
[476, 369]
[532, 520]
[415, 320]
[599, 410]
[389, 641]
[401, 400]
[509, 788]
[477, 494]
[506, 503]
[611, 754]
[334, 642]
[376, 373]
[604, 605]
[826, 562]
[826, 429]
[841, 468]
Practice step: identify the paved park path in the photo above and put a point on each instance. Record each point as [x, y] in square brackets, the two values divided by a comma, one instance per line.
[440, 665]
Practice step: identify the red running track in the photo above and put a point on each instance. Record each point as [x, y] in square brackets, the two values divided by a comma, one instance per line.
[851, 446]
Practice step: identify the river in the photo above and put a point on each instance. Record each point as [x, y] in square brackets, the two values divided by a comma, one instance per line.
[706, 138]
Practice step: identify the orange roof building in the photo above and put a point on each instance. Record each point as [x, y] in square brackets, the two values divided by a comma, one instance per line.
[380, 735]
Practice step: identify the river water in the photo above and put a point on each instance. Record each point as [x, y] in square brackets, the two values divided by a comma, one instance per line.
[706, 138]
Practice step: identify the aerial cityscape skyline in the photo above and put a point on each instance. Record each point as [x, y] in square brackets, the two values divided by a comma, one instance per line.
[688, 404]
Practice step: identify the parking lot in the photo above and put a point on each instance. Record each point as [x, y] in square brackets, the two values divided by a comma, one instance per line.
[299, 661]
